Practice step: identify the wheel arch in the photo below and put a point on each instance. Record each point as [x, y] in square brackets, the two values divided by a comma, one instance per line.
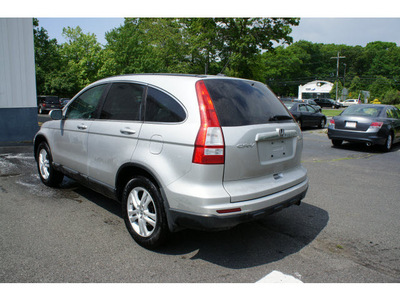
[38, 139]
[129, 170]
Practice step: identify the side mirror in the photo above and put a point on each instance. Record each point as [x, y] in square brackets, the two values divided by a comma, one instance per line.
[56, 114]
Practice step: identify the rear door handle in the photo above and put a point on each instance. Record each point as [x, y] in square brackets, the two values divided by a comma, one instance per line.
[127, 131]
[82, 127]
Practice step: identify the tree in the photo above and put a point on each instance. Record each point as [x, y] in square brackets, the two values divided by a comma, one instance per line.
[47, 57]
[391, 97]
[81, 55]
[380, 87]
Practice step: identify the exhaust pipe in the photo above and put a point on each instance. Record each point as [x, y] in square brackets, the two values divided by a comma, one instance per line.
[369, 144]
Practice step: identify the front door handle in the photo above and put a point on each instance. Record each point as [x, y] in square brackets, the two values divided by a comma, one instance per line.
[82, 127]
[127, 131]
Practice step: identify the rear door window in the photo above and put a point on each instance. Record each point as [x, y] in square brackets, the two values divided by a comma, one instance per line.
[242, 102]
[123, 102]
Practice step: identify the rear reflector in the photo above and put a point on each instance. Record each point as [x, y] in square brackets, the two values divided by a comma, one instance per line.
[225, 211]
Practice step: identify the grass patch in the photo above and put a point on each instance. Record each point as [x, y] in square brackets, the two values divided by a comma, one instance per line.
[331, 112]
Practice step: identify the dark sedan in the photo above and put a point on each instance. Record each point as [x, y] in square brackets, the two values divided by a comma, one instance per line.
[306, 115]
[327, 103]
[371, 124]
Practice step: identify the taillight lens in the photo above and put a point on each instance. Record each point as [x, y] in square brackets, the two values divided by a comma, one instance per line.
[332, 123]
[376, 125]
[209, 145]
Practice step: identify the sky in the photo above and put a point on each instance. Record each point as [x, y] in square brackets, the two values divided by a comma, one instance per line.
[349, 22]
[349, 31]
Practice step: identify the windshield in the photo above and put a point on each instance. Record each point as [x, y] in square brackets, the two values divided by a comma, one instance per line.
[242, 102]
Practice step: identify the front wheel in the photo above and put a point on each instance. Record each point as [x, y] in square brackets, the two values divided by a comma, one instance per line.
[322, 123]
[143, 212]
[47, 173]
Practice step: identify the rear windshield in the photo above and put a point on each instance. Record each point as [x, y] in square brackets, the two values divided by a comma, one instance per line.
[53, 100]
[362, 111]
[242, 102]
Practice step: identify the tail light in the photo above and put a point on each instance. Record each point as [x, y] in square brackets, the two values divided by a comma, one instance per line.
[376, 125]
[209, 146]
[332, 124]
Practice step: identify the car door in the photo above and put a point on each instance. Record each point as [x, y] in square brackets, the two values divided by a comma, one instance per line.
[304, 114]
[314, 117]
[394, 114]
[113, 138]
[70, 147]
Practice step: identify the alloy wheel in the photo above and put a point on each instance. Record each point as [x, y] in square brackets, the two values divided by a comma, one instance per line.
[141, 211]
[44, 164]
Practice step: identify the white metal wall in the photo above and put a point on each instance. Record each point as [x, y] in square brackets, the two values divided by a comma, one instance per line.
[17, 63]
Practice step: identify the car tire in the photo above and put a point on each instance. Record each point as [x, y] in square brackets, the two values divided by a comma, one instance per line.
[40, 110]
[322, 123]
[48, 175]
[337, 143]
[388, 143]
[143, 212]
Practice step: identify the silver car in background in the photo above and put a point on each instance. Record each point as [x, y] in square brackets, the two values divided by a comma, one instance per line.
[178, 151]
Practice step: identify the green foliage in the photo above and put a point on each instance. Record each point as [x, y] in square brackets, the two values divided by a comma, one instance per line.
[391, 97]
[380, 87]
[254, 48]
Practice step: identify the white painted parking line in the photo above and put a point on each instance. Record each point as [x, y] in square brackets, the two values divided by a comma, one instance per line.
[278, 277]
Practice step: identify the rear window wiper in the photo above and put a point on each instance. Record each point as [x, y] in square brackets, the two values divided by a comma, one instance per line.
[280, 117]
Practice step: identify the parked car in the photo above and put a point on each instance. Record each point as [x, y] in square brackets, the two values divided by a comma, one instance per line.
[47, 103]
[306, 115]
[349, 102]
[313, 104]
[178, 151]
[327, 103]
[366, 123]
[64, 101]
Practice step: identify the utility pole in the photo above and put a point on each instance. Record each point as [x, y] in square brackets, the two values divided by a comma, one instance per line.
[337, 72]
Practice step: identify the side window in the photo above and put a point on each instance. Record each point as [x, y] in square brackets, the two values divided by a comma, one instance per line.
[161, 107]
[302, 108]
[311, 109]
[84, 107]
[123, 102]
[397, 113]
[390, 113]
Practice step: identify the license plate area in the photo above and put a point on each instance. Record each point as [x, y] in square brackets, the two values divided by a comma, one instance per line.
[351, 125]
[275, 150]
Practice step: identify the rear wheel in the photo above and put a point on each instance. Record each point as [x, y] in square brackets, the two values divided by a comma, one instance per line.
[389, 143]
[47, 173]
[144, 213]
[337, 143]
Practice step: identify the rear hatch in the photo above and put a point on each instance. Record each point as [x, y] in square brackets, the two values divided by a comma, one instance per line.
[262, 142]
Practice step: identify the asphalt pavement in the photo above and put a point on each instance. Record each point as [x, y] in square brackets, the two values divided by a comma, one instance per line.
[346, 229]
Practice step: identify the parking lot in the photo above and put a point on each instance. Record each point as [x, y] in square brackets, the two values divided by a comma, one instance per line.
[346, 229]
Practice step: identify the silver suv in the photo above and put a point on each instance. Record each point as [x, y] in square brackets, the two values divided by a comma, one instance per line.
[178, 151]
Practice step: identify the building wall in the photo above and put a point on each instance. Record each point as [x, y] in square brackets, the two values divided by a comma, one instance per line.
[315, 89]
[18, 104]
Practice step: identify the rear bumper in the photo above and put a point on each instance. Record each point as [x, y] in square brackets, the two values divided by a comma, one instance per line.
[250, 210]
[377, 138]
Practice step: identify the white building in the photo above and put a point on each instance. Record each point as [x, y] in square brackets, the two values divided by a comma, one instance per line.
[315, 89]
[18, 104]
